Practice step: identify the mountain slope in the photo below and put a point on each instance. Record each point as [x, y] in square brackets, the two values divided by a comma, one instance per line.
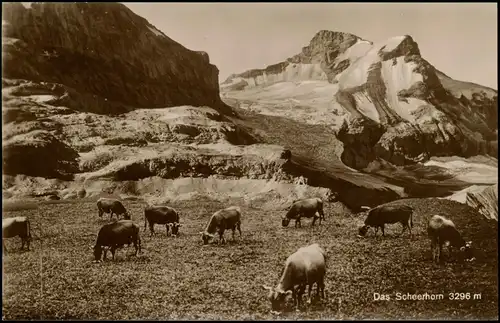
[86, 114]
[384, 99]
[391, 112]
[112, 59]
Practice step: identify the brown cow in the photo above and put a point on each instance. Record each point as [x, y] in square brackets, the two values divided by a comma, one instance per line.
[229, 218]
[384, 214]
[112, 206]
[306, 208]
[160, 214]
[303, 268]
[115, 235]
[16, 226]
[442, 231]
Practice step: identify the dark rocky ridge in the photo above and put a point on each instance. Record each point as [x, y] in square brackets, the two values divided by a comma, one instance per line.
[107, 53]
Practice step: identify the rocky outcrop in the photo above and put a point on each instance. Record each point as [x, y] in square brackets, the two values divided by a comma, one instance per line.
[39, 153]
[396, 105]
[485, 202]
[201, 163]
[98, 51]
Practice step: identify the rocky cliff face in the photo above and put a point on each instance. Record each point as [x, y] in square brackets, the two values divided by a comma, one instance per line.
[387, 102]
[106, 56]
[485, 201]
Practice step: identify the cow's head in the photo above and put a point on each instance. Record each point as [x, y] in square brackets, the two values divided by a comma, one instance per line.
[363, 230]
[206, 237]
[276, 296]
[126, 216]
[332, 196]
[97, 252]
[175, 227]
[467, 251]
[285, 221]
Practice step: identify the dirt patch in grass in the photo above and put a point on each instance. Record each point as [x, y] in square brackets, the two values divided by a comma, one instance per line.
[178, 278]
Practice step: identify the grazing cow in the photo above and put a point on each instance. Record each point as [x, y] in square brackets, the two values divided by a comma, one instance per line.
[159, 214]
[112, 206]
[115, 235]
[442, 231]
[225, 219]
[303, 268]
[388, 214]
[306, 208]
[16, 226]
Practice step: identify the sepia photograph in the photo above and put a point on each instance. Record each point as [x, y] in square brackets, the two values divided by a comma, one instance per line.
[249, 161]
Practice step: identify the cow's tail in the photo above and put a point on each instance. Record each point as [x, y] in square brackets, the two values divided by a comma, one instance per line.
[411, 217]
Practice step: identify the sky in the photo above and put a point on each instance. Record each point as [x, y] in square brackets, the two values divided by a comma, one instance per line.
[459, 39]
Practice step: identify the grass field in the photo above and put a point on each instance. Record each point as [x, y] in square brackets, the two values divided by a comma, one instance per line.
[178, 278]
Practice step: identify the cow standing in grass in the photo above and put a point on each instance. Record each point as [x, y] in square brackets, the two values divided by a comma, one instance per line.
[112, 206]
[159, 214]
[225, 219]
[307, 208]
[442, 231]
[381, 215]
[115, 235]
[16, 226]
[304, 268]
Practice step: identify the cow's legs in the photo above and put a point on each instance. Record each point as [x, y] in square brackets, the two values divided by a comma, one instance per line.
[383, 229]
[294, 295]
[433, 250]
[151, 228]
[22, 242]
[404, 227]
[4, 247]
[136, 245]
[322, 214]
[238, 226]
[321, 287]
[309, 290]
[113, 250]
[300, 292]
[439, 249]
[28, 241]
[167, 227]
[221, 237]
[104, 256]
[314, 219]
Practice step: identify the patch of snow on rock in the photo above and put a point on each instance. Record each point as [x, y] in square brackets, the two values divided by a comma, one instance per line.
[155, 31]
[397, 77]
